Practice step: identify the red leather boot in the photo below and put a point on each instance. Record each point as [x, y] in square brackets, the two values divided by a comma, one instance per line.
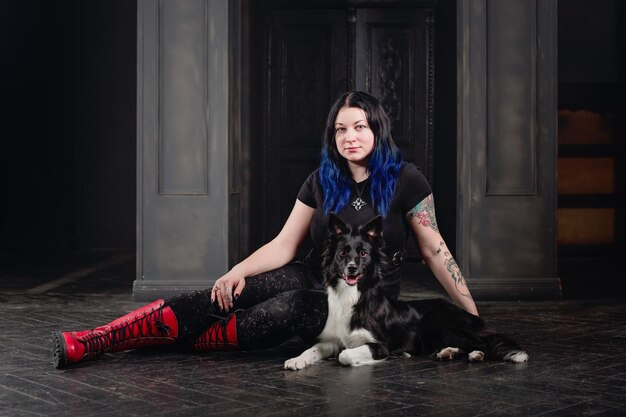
[154, 324]
[219, 336]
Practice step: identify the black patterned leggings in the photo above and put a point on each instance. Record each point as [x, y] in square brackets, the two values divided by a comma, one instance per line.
[272, 308]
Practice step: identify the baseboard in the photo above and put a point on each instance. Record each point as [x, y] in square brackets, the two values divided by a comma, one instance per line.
[146, 290]
[507, 289]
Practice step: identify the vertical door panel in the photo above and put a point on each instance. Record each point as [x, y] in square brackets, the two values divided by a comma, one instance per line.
[306, 71]
[394, 61]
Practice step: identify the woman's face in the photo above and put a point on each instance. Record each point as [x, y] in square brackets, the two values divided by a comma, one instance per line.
[353, 136]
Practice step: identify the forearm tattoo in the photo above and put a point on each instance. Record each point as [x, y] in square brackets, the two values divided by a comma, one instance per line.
[425, 213]
[455, 272]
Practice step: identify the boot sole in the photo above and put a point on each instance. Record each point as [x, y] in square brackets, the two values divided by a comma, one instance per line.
[59, 350]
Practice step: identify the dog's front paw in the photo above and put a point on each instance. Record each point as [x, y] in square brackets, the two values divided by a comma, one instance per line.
[361, 355]
[346, 358]
[294, 364]
[307, 358]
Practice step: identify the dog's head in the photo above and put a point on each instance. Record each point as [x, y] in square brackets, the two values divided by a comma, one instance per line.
[354, 257]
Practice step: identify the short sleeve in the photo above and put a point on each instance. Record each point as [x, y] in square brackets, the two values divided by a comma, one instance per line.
[413, 187]
[307, 191]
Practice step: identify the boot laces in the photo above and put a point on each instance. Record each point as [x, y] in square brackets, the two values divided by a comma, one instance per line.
[216, 334]
[99, 341]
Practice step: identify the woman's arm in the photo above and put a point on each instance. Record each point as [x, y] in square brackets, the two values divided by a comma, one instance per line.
[437, 255]
[278, 252]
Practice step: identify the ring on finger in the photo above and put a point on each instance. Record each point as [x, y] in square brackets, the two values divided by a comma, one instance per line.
[229, 290]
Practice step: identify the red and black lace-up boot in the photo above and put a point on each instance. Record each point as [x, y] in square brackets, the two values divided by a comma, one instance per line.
[154, 324]
[219, 336]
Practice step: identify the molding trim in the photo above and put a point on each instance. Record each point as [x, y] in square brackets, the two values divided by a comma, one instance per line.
[498, 90]
[507, 289]
[176, 68]
[463, 159]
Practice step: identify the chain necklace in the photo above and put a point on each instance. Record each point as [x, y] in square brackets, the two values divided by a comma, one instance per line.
[358, 203]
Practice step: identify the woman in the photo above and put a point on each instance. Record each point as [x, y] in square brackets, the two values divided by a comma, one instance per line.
[361, 175]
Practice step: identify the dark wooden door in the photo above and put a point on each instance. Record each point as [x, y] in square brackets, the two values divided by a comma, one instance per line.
[395, 62]
[314, 55]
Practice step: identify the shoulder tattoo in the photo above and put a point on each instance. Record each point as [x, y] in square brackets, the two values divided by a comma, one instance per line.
[425, 213]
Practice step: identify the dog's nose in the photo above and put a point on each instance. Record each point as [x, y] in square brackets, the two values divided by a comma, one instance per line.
[352, 269]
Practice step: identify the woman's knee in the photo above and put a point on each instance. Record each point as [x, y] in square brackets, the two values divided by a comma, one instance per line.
[292, 313]
[301, 305]
[272, 283]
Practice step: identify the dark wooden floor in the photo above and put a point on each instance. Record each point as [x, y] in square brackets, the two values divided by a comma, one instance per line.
[577, 366]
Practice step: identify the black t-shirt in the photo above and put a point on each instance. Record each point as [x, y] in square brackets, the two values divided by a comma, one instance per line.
[411, 188]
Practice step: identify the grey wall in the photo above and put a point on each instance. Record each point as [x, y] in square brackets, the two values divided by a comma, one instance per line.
[507, 148]
[183, 145]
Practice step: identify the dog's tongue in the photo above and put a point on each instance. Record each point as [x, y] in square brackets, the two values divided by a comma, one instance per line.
[351, 280]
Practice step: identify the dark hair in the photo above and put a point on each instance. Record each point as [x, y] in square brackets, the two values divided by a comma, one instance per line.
[383, 166]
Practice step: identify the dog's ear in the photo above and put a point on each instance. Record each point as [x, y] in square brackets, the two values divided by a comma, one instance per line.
[373, 229]
[336, 226]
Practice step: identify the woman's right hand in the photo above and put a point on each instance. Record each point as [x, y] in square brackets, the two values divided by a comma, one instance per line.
[227, 289]
[272, 255]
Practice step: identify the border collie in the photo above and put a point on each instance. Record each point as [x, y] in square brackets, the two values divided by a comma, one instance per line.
[365, 327]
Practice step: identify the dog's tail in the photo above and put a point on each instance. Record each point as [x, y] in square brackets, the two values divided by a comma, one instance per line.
[502, 348]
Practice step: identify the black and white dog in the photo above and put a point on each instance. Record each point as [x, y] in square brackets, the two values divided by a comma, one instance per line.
[364, 327]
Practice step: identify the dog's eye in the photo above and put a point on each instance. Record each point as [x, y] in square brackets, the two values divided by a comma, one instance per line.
[362, 254]
[342, 253]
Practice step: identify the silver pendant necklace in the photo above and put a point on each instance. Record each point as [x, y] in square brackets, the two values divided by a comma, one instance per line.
[359, 203]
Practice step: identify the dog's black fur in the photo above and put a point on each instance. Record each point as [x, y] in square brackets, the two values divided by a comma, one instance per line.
[376, 327]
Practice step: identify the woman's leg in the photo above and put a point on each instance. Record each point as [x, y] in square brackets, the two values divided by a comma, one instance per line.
[165, 321]
[195, 311]
[293, 313]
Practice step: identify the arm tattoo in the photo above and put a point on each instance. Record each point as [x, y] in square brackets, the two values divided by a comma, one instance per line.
[457, 276]
[425, 213]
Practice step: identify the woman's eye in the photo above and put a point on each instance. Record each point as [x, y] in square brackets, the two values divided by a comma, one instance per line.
[360, 127]
[340, 129]
[363, 254]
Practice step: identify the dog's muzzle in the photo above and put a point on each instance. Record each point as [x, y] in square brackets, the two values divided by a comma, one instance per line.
[352, 279]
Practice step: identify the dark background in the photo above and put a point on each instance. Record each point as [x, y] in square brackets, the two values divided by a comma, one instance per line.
[68, 118]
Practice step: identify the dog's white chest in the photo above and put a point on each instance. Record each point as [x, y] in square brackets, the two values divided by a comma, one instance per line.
[341, 301]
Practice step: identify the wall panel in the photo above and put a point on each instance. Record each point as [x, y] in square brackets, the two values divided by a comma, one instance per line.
[183, 147]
